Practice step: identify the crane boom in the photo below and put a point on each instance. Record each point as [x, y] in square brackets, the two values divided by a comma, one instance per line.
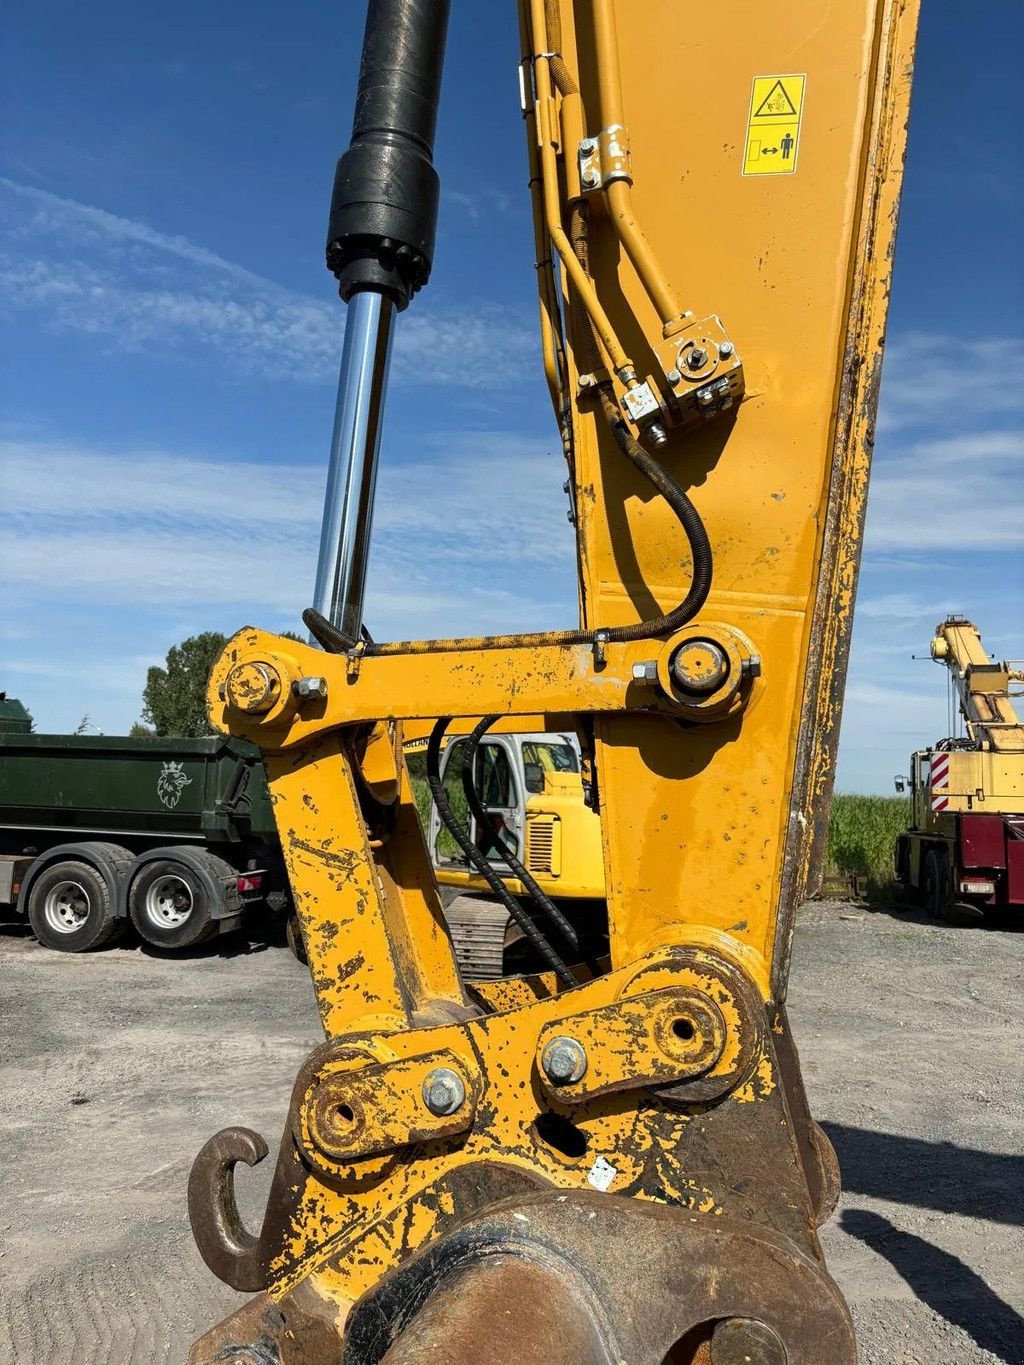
[982, 687]
[610, 1156]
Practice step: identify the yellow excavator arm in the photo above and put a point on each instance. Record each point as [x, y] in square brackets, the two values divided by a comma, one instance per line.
[608, 1158]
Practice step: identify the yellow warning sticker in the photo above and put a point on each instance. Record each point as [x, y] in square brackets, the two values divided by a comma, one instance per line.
[773, 125]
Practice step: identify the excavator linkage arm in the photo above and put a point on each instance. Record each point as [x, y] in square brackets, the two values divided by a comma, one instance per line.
[609, 1158]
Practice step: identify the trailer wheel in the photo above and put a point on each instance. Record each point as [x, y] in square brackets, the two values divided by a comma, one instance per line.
[70, 908]
[169, 905]
[936, 882]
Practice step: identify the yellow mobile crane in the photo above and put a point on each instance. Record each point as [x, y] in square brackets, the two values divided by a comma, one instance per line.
[964, 850]
[612, 1159]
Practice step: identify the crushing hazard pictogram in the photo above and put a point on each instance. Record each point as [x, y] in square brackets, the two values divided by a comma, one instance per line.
[773, 125]
[775, 102]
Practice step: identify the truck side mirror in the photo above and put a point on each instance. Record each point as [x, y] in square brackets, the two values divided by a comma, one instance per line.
[900, 783]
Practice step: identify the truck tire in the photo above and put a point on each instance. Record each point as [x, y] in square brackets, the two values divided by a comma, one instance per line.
[70, 907]
[170, 905]
[936, 890]
[296, 942]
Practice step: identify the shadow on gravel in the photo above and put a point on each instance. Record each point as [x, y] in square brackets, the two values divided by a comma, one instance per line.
[932, 1175]
[258, 931]
[942, 1281]
[957, 918]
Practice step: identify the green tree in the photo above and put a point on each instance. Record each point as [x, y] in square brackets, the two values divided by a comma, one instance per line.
[174, 698]
[140, 731]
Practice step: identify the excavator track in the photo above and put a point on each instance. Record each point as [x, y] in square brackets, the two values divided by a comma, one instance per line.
[478, 928]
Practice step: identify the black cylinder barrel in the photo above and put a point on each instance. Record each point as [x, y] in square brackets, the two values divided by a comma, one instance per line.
[384, 208]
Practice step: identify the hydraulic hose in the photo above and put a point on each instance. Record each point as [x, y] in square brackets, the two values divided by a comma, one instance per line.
[480, 863]
[700, 583]
[542, 901]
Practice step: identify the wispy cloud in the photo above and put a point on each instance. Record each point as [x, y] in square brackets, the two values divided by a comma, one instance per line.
[486, 201]
[949, 380]
[137, 289]
[948, 494]
[158, 530]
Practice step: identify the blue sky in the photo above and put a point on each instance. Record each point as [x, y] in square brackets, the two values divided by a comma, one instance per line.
[170, 342]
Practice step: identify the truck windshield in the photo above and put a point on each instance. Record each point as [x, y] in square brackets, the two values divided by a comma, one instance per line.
[546, 756]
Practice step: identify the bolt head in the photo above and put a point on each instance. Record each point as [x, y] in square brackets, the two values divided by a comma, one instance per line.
[726, 349]
[443, 1091]
[311, 687]
[564, 1061]
[588, 145]
[673, 376]
[646, 672]
[696, 358]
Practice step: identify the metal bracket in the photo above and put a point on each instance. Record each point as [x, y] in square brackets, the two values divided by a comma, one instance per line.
[605, 158]
[659, 1038]
[378, 1108]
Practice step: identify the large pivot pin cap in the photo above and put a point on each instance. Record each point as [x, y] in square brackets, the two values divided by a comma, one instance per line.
[253, 688]
[700, 666]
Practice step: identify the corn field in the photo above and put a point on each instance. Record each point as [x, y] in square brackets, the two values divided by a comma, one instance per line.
[861, 833]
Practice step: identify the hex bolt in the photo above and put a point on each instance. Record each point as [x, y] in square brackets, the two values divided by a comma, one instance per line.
[752, 666]
[564, 1061]
[590, 178]
[697, 358]
[588, 145]
[646, 672]
[443, 1091]
[700, 666]
[311, 687]
[745, 1341]
[585, 381]
[726, 349]
[673, 376]
[657, 435]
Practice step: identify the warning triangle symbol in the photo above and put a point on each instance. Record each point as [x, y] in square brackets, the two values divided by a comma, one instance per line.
[775, 102]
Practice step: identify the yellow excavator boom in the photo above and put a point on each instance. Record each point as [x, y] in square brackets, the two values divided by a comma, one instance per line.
[605, 1158]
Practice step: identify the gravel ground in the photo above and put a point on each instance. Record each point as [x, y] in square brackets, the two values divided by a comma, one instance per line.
[118, 1065]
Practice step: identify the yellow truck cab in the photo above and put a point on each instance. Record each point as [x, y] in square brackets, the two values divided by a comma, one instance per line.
[532, 789]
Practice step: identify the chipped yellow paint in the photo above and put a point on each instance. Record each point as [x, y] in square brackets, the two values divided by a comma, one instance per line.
[345, 1228]
[703, 826]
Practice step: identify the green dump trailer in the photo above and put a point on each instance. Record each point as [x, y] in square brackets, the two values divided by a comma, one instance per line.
[175, 836]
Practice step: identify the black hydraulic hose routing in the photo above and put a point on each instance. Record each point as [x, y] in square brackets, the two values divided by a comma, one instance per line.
[480, 863]
[543, 902]
[689, 519]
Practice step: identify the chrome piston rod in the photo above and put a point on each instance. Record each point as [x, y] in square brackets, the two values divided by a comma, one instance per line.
[352, 474]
